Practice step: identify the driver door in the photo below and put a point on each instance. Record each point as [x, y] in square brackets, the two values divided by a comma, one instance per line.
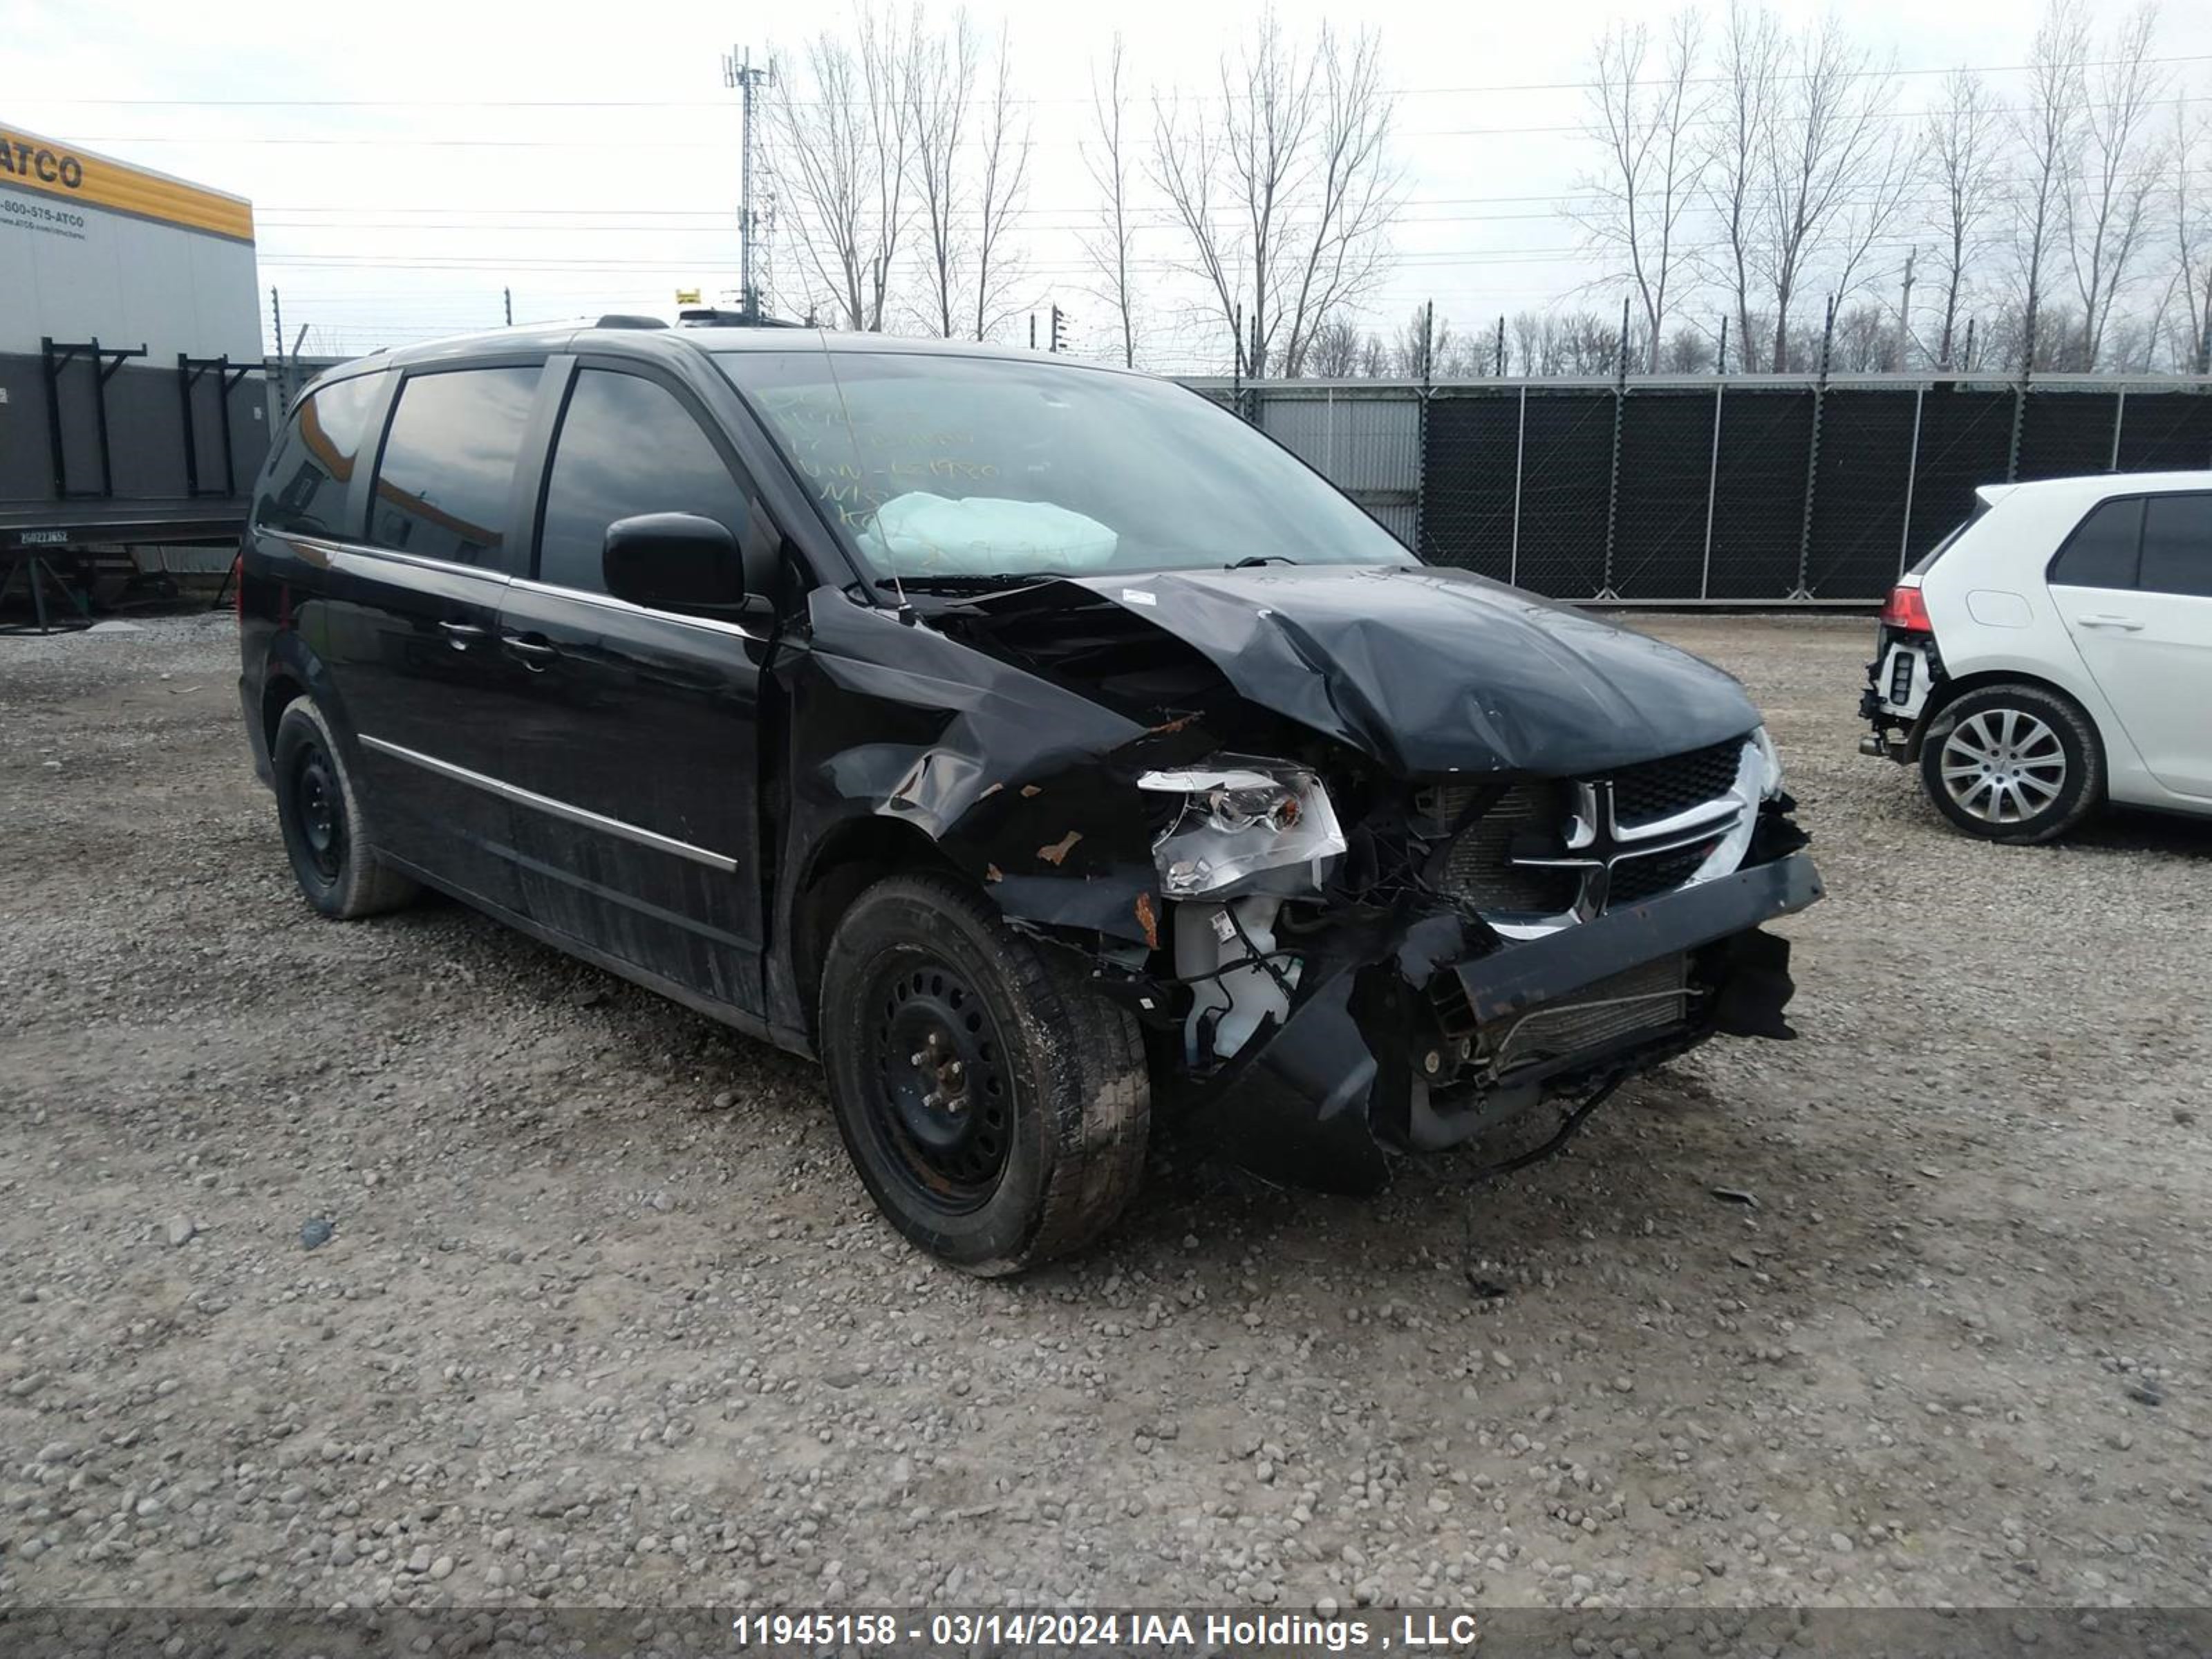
[637, 748]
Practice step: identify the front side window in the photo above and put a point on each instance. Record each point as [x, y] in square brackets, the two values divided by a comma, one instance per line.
[939, 466]
[445, 488]
[2101, 551]
[312, 473]
[2177, 546]
[626, 447]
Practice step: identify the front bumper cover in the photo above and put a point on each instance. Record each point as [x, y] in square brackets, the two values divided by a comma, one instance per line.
[1324, 1100]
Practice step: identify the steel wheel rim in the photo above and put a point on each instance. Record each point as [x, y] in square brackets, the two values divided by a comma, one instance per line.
[2003, 766]
[940, 1099]
[320, 805]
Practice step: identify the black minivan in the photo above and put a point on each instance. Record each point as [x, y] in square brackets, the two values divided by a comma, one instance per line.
[1037, 744]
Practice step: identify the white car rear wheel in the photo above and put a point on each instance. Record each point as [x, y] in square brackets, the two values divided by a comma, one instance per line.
[2013, 763]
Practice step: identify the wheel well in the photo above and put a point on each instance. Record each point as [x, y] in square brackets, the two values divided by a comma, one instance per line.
[1949, 691]
[850, 861]
[277, 691]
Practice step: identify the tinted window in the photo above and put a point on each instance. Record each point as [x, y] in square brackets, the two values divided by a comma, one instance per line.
[444, 487]
[2101, 551]
[626, 447]
[956, 466]
[312, 469]
[2177, 546]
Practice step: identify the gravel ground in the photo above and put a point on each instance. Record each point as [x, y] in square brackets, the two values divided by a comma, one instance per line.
[605, 1319]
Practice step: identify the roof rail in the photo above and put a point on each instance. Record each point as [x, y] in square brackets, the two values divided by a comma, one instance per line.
[711, 317]
[627, 319]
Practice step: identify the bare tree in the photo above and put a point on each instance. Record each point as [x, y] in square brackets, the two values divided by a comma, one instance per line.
[1334, 354]
[1634, 209]
[1833, 169]
[939, 91]
[1287, 196]
[1962, 137]
[2120, 162]
[2192, 239]
[837, 121]
[1422, 343]
[1109, 248]
[2046, 131]
[1734, 174]
[1006, 140]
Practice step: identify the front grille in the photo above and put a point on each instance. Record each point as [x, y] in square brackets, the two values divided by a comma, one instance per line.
[1653, 790]
[1478, 867]
[1646, 999]
[1636, 879]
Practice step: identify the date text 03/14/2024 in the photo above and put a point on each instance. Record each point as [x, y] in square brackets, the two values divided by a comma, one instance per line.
[1211, 1632]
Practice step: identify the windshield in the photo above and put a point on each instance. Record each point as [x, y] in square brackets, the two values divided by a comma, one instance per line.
[966, 467]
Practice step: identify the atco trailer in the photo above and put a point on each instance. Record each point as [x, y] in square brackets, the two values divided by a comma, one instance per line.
[131, 408]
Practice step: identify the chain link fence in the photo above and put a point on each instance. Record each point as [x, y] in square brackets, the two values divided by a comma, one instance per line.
[1749, 490]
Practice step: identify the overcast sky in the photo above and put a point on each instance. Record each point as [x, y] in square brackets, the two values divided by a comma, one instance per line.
[408, 160]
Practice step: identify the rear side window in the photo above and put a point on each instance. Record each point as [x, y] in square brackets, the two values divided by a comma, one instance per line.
[2101, 551]
[312, 473]
[445, 488]
[2177, 546]
[626, 447]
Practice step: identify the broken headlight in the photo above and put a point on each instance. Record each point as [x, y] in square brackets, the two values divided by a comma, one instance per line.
[1770, 764]
[1242, 819]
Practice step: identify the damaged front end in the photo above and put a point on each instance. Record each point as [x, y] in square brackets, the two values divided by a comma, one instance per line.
[1470, 954]
[1381, 859]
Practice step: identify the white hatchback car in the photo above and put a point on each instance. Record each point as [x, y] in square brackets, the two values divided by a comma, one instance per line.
[2054, 653]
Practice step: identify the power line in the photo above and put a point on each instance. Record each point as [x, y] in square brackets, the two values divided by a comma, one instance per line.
[602, 145]
[1493, 88]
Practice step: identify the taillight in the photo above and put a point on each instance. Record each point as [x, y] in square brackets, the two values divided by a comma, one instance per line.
[1907, 610]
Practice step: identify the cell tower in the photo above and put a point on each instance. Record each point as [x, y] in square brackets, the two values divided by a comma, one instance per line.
[738, 72]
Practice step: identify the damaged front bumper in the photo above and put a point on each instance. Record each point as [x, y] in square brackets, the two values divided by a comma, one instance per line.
[1353, 1074]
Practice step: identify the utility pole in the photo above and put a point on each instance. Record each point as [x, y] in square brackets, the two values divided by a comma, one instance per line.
[738, 72]
[506, 300]
[1059, 321]
[1501, 346]
[1904, 315]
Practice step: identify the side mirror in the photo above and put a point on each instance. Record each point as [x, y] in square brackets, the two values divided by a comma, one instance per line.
[673, 562]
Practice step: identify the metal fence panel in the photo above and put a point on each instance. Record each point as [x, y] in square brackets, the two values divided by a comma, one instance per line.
[1965, 437]
[1759, 492]
[1665, 470]
[1708, 499]
[1467, 513]
[2066, 433]
[1860, 491]
[1368, 444]
[2167, 431]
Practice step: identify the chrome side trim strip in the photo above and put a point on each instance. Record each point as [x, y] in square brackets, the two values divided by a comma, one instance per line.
[559, 809]
[608, 602]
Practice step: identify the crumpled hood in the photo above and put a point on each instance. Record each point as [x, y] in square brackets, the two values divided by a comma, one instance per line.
[1429, 669]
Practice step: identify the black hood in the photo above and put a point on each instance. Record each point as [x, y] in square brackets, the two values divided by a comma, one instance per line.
[1429, 669]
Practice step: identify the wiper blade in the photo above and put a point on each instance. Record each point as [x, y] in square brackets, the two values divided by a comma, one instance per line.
[966, 583]
[1259, 558]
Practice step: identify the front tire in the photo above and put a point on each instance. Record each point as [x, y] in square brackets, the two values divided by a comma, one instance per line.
[994, 1104]
[2012, 763]
[326, 832]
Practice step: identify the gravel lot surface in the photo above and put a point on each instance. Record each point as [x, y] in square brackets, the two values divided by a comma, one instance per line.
[604, 1316]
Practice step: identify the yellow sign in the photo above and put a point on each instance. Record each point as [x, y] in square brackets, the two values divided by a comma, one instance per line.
[55, 170]
[687, 296]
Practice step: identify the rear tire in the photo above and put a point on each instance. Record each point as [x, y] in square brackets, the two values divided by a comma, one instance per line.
[326, 832]
[995, 1105]
[2012, 763]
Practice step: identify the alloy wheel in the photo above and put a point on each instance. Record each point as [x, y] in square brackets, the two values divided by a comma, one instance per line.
[2003, 766]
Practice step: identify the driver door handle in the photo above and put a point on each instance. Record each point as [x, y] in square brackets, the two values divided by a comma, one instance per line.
[2124, 624]
[534, 651]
